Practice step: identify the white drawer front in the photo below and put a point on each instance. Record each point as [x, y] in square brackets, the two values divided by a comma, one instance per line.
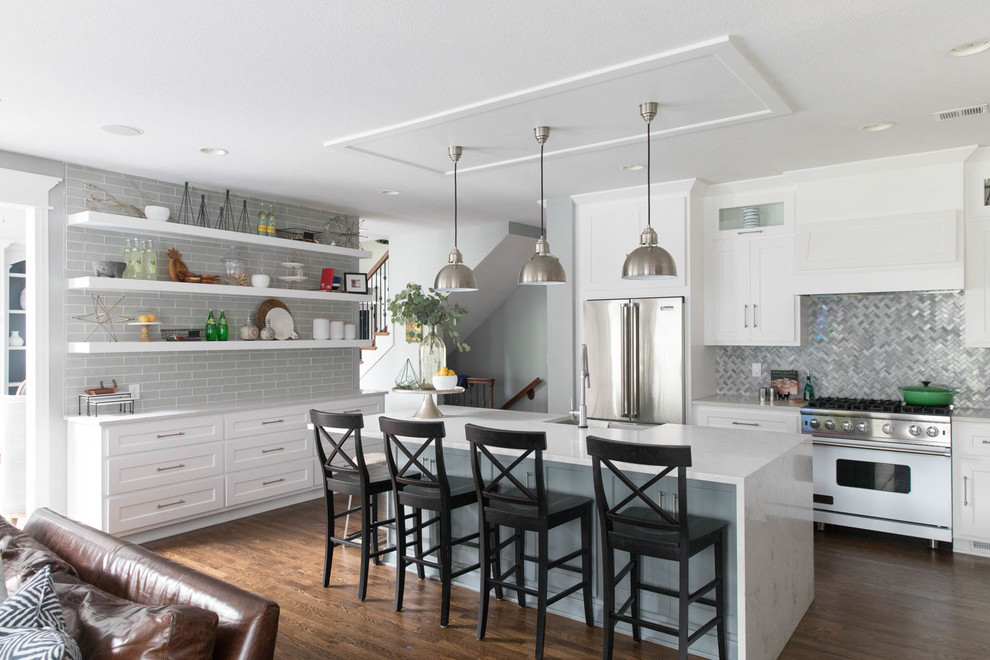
[266, 421]
[168, 466]
[164, 433]
[971, 438]
[158, 506]
[271, 481]
[259, 451]
[754, 421]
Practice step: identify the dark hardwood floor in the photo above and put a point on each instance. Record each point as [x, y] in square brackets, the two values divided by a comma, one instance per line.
[876, 597]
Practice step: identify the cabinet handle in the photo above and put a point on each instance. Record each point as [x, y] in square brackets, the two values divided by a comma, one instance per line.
[745, 316]
[272, 421]
[750, 231]
[170, 435]
[746, 423]
[268, 451]
[172, 467]
[162, 506]
[274, 481]
[965, 484]
[356, 410]
[754, 315]
[986, 442]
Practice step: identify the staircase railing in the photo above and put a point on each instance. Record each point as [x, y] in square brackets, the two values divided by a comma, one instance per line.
[529, 391]
[374, 314]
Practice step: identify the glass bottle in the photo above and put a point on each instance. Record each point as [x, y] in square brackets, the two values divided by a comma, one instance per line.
[211, 327]
[262, 221]
[432, 356]
[150, 260]
[249, 331]
[129, 250]
[223, 332]
[271, 221]
[809, 390]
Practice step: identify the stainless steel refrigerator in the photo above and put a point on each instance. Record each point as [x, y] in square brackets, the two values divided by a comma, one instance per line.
[635, 359]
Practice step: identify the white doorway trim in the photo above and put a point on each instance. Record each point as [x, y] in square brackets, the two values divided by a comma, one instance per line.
[46, 354]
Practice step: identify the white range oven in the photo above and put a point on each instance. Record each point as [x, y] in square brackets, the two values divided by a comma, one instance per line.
[882, 465]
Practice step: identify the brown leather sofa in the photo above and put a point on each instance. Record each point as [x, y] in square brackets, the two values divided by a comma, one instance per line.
[245, 625]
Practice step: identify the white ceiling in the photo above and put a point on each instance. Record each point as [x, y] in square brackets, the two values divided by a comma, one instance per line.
[389, 85]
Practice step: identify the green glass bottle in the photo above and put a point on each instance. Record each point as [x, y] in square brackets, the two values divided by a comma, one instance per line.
[271, 221]
[262, 221]
[211, 327]
[222, 330]
[809, 390]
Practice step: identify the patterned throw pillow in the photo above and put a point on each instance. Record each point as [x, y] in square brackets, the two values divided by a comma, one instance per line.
[32, 625]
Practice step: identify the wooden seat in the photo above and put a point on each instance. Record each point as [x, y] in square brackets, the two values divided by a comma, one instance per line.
[346, 470]
[632, 521]
[420, 487]
[505, 498]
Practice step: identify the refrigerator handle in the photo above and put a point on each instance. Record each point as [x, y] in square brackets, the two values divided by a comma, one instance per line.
[624, 357]
[634, 362]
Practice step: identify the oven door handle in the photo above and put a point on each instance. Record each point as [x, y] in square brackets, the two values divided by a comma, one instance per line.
[903, 450]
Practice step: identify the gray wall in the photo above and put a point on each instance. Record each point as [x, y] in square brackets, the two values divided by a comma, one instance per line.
[867, 345]
[511, 345]
[170, 380]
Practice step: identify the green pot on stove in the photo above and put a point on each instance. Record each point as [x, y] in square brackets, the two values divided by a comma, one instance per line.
[927, 394]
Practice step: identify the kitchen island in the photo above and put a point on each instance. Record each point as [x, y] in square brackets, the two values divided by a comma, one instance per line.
[760, 482]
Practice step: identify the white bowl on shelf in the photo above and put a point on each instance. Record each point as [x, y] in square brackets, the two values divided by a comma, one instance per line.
[157, 213]
[445, 382]
[260, 280]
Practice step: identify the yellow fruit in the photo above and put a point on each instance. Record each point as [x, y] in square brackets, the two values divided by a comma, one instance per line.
[143, 318]
[441, 373]
[152, 318]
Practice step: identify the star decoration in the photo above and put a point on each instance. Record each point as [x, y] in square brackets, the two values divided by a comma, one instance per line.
[104, 317]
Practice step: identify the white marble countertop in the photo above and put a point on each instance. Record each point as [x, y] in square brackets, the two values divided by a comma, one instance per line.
[271, 402]
[718, 454]
[740, 401]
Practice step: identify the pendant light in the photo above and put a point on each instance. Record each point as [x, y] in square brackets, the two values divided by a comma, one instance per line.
[455, 276]
[649, 261]
[542, 267]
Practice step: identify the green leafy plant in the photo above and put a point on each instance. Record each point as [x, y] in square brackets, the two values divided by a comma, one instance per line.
[413, 305]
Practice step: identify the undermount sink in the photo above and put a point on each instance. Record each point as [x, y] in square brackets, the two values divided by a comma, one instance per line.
[602, 424]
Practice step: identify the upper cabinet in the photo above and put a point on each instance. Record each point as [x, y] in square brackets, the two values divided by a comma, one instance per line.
[892, 224]
[749, 299]
[608, 228]
[978, 250]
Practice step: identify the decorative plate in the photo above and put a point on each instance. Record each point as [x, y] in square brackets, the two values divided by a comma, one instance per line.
[282, 323]
[265, 307]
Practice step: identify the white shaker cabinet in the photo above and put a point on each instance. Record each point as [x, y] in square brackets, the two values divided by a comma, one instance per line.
[971, 487]
[749, 300]
[978, 284]
[753, 418]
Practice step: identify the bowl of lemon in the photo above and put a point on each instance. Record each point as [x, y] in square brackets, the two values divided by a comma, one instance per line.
[445, 379]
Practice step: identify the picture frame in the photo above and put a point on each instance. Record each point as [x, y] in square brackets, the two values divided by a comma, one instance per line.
[355, 283]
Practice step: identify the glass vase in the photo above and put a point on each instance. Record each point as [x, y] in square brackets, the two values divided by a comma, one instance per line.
[432, 357]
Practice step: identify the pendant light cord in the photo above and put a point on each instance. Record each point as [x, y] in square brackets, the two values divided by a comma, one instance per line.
[455, 203]
[648, 196]
[543, 208]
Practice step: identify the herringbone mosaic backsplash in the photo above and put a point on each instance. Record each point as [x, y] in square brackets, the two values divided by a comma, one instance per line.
[868, 345]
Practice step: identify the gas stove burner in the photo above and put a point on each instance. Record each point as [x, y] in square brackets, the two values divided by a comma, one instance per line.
[875, 405]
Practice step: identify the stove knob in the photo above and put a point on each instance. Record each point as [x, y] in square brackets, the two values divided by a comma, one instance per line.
[830, 425]
[888, 428]
[814, 423]
[914, 429]
[862, 427]
[932, 431]
[847, 426]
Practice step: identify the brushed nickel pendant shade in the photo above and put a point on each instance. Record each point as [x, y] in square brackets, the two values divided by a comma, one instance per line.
[542, 267]
[455, 276]
[649, 261]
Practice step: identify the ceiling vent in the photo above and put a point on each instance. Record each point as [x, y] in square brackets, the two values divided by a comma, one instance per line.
[959, 113]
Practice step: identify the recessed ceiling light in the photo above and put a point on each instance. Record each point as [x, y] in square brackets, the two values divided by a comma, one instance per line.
[214, 151]
[877, 127]
[631, 167]
[120, 129]
[973, 48]
[391, 192]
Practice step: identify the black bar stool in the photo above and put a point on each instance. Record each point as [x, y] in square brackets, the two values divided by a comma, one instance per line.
[506, 499]
[420, 487]
[346, 471]
[631, 521]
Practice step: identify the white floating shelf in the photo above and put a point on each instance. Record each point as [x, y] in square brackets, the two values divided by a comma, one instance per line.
[132, 225]
[167, 286]
[200, 346]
